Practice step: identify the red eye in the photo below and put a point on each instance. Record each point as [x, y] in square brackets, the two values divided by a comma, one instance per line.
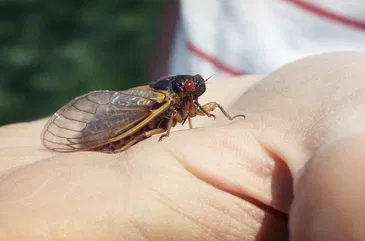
[189, 86]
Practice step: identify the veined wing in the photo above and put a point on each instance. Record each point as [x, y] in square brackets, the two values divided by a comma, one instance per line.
[93, 118]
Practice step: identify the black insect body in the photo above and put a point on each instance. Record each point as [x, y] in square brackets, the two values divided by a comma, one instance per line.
[113, 121]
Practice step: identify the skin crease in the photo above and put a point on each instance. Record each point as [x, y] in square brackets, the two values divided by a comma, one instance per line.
[292, 169]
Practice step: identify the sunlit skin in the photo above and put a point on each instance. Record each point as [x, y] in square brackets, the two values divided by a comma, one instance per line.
[292, 168]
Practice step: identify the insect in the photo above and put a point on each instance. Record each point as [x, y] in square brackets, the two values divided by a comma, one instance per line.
[112, 121]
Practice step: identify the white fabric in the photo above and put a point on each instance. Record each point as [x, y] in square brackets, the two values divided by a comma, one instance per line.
[258, 36]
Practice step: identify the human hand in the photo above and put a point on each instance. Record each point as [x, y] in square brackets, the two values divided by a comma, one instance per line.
[222, 180]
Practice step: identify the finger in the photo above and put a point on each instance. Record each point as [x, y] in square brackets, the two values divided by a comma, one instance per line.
[329, 199]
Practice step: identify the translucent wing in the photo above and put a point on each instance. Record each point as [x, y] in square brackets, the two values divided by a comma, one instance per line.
[92, 119]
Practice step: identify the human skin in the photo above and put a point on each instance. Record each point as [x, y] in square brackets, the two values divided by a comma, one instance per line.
[293, 168]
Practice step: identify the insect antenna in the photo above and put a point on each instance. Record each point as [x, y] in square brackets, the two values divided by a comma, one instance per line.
[209, 77]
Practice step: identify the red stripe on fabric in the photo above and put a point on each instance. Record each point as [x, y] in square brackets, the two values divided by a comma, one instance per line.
[328, 14]
[213, 60]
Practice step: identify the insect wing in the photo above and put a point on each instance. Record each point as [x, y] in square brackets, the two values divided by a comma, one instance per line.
[92, 119]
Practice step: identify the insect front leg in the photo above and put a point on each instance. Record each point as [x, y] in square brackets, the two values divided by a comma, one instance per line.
[141, 137]
[205, 109]
[211, 106]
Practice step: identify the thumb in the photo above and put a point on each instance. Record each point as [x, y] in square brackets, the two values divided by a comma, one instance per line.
[329, 196]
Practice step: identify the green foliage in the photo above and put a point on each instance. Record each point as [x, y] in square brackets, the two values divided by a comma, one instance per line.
[54, 50]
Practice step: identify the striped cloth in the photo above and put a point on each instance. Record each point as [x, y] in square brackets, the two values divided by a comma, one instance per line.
[235, 37]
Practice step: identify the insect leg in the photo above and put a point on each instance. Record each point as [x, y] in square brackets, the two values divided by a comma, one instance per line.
[227, 115]
[190, 123]
[141, 137]
[204, 110]
[169, 126]
[208, 107]
[211, 106]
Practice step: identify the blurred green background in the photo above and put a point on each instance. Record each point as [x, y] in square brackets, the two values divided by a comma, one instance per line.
[54, 50]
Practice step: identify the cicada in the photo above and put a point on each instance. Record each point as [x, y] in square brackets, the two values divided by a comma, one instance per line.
[112, 121]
